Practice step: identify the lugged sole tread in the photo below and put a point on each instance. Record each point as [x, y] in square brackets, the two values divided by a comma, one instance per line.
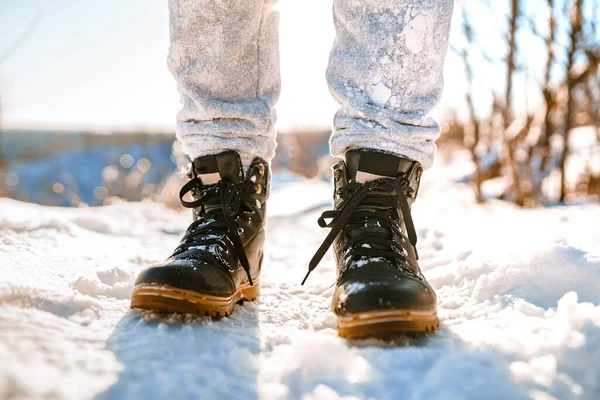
[383, 323]
[169, 299]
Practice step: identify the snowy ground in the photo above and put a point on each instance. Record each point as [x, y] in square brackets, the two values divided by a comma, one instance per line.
[519, 299]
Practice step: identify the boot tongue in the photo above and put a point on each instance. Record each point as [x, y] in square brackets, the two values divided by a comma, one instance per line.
[224, 166]
[214, 168]
[367, 165]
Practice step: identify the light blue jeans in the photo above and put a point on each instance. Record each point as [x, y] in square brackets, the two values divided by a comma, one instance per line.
[385, 71]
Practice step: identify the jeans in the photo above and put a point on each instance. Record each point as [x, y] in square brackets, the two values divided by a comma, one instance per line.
[385, 71]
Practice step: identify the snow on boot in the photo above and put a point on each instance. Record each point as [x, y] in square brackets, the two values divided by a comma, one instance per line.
[217, 263]
[379, 289]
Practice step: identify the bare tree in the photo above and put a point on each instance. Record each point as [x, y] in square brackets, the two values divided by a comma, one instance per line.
[576, 19]
[472, 142]
[511, 141]
[569, 88]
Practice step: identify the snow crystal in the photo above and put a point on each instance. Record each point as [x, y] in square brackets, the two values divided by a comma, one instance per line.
[380, 94]
[415, 32]
[355, 287]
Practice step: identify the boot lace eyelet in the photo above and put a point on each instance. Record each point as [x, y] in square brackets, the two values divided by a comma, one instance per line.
[355, 212]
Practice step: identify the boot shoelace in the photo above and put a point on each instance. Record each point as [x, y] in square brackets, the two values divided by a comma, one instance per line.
[214, 226]
[350, 216]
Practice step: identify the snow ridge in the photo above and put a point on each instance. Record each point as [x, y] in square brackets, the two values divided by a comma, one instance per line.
[518, 294]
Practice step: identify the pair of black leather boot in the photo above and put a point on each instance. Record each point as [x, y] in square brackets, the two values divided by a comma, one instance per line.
[379, 288]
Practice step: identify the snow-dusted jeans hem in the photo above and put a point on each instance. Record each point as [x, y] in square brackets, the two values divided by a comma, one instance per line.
[385, 71]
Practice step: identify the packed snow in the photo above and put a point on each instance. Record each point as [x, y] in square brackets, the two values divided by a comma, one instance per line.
[518, 293]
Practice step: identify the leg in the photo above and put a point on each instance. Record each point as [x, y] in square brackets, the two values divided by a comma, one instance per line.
[385, 71]
[224, 57]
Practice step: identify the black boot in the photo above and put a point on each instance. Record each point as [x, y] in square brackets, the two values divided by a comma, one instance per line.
[217, 263]
[380, 288]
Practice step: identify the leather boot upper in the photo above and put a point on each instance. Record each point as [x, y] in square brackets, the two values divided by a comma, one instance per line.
[373, 235]
[223, 247]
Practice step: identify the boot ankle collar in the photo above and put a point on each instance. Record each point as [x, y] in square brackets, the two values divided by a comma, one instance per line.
[227, 165]
[377, 163]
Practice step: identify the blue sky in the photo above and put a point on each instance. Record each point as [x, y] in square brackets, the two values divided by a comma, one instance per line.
[102, 64]
[87, 63]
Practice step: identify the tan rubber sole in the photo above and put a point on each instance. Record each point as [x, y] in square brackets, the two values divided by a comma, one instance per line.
[163, 298]
[380, 323]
